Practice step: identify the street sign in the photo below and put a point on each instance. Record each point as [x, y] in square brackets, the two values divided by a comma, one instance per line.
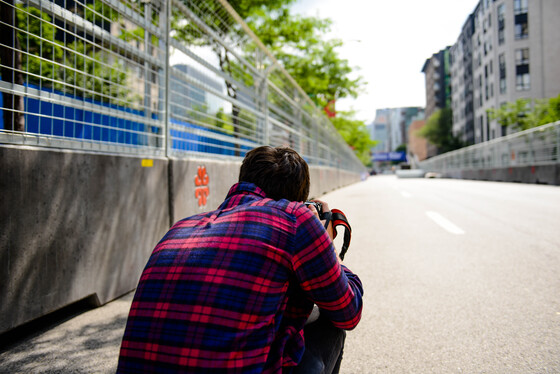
[389, 156]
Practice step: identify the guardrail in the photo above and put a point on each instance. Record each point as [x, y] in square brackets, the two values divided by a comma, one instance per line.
[162, 78]
[533, 147]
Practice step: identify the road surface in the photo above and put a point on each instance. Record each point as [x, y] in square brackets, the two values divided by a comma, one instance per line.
[459, 277]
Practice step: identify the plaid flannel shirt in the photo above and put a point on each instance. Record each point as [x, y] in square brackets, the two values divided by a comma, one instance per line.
[229, 291]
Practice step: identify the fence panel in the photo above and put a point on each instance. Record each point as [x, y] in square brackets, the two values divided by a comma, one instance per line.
[536, 146]
[134, 76]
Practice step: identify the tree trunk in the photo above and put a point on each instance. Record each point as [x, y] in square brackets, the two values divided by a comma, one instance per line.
[235, 121]
[10, 56]
[225, 65]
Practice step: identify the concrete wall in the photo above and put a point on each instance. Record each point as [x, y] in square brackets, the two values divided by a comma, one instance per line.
[540, 174]
[76, 225]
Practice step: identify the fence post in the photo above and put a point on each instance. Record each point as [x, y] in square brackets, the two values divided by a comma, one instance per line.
[167, 137]
[557, 142]
[147, 73]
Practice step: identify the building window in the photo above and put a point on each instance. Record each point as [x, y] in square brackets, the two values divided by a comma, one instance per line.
[520, 6]
[502, 63]
[523, 82]
[481, 121]
[488, 126]
[521, 27]
[522, 77]
[521, 19]
[501, 24]
[522, 56]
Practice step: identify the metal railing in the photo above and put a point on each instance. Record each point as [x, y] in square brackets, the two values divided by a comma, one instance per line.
[536, 146]
[163, 78]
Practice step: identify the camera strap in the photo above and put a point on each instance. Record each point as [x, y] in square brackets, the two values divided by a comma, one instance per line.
[339, 219]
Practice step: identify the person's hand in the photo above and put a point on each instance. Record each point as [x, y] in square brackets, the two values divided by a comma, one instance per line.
[326, 208]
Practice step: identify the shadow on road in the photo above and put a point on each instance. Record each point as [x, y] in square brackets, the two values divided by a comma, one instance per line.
[86, 343]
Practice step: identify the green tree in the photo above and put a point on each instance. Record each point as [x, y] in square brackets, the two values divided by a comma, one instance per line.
[356, 135]
[552, 113]
[524, 114]
[75, 67]
[313, 62]
[42, 53]
[513, 115]
[296, 42]
[227, 29]
[92, 76]
[438, 131]
[11, 67]
[223, 121]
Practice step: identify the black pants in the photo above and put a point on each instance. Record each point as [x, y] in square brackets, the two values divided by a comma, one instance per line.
[323, 348]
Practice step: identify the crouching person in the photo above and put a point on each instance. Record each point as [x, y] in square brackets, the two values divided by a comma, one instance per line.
[231, 290]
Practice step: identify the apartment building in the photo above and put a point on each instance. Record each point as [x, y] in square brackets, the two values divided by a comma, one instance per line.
[438, 82]
[508, 49]
[391, 127]
[437, 73]
[461, 66]
[379, 130]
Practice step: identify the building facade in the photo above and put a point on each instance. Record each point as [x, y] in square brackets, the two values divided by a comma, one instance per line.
[379, 130]
[417, 146]
[508, 50]
[391, 127]
[461, 66]
[438, 82]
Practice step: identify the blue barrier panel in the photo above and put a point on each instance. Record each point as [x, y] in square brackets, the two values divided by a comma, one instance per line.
[55, 119]
[189, 141]
[59, 120]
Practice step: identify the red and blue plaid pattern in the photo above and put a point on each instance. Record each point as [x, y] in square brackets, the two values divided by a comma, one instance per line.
[229, 291]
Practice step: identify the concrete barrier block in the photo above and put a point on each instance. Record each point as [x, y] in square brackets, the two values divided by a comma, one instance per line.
[74, 225]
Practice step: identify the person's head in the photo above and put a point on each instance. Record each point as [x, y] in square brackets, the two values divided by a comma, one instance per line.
[280, 172]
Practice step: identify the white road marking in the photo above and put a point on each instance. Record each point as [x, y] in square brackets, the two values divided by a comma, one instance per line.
[406, 194]
[445, 223]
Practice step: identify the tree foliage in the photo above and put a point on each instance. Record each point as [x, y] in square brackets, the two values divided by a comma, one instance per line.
[313, 62]
[298, 44]
[295, 41]
[524, 114]
[438, 131]
[76, 67]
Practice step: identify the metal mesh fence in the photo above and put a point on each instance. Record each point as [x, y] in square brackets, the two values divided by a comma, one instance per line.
[537, 146]
[174, 78]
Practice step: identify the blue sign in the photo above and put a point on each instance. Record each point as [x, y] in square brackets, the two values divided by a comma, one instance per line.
[389, 156]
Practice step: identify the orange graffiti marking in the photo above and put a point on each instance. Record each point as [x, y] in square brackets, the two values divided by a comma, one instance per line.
[202, 179]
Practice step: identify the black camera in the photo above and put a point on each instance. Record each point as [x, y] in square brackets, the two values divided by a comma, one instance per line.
[337, 218]
[317, 206]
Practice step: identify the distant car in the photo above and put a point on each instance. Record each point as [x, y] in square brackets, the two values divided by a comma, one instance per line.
[410, 173]
[432, 174]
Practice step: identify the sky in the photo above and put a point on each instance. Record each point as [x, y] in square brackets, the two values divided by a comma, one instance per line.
[388, 41]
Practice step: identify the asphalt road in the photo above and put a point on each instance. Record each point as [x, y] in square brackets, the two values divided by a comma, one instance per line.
[459, 277]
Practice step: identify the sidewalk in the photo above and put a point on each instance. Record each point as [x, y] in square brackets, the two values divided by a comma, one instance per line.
[87, 343]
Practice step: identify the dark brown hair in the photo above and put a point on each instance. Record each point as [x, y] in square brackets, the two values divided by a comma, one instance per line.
[280, 172]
